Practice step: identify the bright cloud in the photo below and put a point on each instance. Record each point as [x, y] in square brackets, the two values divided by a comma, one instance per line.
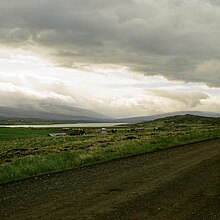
[113, 90]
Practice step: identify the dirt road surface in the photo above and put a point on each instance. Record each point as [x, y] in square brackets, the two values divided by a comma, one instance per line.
[178, 183]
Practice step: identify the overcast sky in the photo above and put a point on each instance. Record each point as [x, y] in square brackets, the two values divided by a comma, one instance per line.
[118, 57]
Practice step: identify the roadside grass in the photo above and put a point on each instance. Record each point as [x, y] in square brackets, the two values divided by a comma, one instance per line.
[34, 165]
[24, 157]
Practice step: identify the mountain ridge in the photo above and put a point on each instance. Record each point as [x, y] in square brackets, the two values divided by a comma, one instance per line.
[59, 113]
[49, 112]
[157, 116]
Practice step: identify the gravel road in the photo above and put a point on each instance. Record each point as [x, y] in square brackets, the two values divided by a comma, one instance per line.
[178, 183]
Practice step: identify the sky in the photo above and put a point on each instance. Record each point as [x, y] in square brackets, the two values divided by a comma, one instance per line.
[121, 58]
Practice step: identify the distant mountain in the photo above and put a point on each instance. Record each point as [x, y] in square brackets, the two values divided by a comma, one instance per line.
[45, 111]
[153, 117]
[58, 113]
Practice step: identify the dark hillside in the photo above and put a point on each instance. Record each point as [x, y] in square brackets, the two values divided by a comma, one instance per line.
[189, 119]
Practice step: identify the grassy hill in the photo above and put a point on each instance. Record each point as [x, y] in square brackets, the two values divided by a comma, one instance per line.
[189, 119]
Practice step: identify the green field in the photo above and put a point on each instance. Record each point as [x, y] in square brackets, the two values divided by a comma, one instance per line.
[26, 152]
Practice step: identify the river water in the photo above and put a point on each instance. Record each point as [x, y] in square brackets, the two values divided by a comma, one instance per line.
[79, 125]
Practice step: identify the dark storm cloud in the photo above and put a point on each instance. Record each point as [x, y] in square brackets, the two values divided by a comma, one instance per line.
[178, 39]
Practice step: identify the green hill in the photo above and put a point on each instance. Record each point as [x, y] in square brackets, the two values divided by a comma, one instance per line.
[189, 119]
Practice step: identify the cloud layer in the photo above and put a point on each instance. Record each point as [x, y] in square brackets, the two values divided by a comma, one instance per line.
[26, 79]
[177, 39]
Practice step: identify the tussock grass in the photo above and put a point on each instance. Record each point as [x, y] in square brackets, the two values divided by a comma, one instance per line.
[39, 164]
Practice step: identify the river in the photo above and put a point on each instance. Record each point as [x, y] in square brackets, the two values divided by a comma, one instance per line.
[77, 125]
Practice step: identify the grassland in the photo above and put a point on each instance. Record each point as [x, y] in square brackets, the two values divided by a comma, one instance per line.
[26, 152]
